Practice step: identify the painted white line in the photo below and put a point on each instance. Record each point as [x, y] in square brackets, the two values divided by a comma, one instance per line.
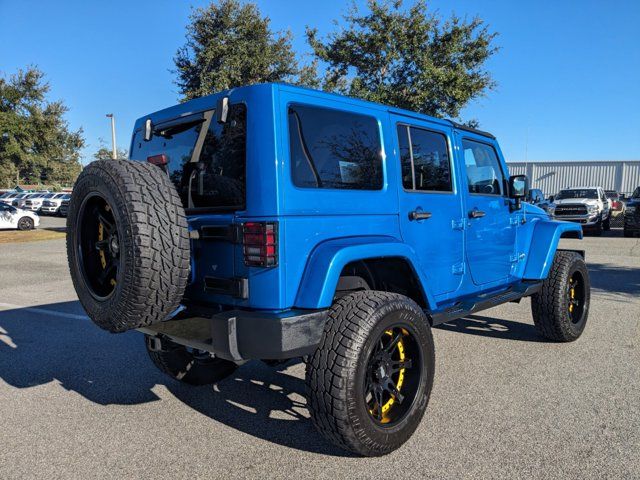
[43, 311]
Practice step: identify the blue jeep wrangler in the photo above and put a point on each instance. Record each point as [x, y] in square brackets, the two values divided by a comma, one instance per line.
[272, 222]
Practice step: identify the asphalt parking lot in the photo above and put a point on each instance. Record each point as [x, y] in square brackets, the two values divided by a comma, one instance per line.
[76, 402]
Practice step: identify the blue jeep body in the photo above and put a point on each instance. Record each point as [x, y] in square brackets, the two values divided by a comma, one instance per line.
[344, 209]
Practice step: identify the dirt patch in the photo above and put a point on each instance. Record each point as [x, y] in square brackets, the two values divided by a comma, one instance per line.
[17, 236]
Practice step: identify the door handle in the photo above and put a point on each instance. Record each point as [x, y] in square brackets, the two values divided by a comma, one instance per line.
[475, 213]
[419, 215]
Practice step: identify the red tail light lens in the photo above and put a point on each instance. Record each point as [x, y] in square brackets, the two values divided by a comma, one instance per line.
[158, 159]
[260, 244]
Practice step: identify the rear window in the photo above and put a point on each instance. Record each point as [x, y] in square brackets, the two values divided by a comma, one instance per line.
[206, 160]
[334, 149]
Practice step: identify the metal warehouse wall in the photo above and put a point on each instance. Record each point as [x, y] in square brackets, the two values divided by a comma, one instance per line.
[551, 177]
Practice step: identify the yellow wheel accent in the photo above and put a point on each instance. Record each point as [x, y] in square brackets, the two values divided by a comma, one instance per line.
[572, 294]
[103, 260]
[113, 282]
[392, 400]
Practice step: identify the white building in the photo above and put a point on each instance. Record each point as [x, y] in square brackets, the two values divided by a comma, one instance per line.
[551, 177]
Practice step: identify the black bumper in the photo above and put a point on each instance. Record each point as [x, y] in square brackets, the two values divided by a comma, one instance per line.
[632, 223]
[239, 335]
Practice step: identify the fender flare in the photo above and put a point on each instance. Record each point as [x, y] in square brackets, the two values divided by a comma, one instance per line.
[326, 262]
[544, 243]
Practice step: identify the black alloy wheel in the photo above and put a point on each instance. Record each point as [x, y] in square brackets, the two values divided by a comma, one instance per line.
[393, 375]
[98, 246]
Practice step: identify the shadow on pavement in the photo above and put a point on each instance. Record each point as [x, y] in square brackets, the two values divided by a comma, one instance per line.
[614, 278]
[493, 327]
[37, 348]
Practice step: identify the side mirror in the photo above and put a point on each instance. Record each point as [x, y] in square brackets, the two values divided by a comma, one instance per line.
[518, 189]
[551, 198]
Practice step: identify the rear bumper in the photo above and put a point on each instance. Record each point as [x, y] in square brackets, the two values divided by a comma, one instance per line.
[239, 335]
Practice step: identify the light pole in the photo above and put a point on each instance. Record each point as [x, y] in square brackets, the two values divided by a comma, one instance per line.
[114, 153]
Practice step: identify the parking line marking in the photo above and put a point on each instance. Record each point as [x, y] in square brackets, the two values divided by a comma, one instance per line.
[43, 311]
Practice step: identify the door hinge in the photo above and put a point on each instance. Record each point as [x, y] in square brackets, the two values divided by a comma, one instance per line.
[458, 268]
[517, 257]
[458, 224]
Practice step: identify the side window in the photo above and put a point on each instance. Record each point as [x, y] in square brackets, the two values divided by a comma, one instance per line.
[334, 149]
[484, 174]
[424, 158]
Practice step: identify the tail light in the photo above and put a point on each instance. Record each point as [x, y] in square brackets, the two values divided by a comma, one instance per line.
[160, 160]
[260, 244]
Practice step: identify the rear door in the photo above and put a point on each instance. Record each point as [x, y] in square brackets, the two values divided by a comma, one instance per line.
[430, 202]
[491, 232]
[206, 162]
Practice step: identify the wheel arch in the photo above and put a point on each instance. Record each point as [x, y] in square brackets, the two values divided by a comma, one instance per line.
[543, 244]
[328, 261]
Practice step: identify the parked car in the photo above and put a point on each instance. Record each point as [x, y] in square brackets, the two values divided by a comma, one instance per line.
[12, 217]
[8, 197]
[34, 201]
[587, 206]
[64, 208]
[18, 200]
[274, 222]
[632, 215]
[51, 206]
[617, 205]
[537, 198]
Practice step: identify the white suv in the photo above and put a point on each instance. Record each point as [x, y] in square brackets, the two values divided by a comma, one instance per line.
[587, 206]
[51, 205]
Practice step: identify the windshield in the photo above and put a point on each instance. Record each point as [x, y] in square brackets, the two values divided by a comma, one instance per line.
[636, 193]
[588, 193]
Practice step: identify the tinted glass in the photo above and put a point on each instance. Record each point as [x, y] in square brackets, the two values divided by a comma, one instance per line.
[429, 157]
[484, 174]
[636, 193]
[334, 149]
[216, 178]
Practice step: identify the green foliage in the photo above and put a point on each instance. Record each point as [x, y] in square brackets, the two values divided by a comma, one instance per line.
[105, 152]
[36, 145]
[228, 45]
[408, 58]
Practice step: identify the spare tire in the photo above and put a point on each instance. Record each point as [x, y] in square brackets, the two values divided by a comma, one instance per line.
[127, 244]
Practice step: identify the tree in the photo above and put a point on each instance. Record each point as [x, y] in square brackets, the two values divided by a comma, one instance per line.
[106, 153]
[408, 58]
[36, 144]
[228, 45]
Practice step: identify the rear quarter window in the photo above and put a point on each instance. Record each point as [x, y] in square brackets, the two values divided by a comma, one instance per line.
[334, 149]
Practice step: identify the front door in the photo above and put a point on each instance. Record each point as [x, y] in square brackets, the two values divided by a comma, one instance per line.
[430, 202]
[491, 232]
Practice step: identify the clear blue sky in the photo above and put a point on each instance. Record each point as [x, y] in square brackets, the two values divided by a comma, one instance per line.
[568, 72]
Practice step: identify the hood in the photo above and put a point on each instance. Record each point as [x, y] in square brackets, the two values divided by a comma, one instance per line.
[530, 209]
[576, 201]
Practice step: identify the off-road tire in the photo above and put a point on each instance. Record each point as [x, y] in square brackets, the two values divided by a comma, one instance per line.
[186, 366]
[598, 228]
[154, 243]
[550, 306]
[25, 223]
[628, 233]
[335, 372]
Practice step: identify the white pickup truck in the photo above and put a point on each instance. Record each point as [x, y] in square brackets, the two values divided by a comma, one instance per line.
[587, 206]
